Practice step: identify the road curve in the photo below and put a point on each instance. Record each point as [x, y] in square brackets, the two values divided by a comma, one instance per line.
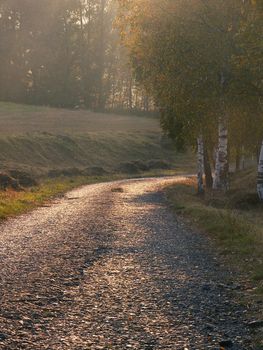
[109, 266]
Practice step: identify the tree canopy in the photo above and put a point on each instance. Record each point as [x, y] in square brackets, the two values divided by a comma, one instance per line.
[202, 62]
[64, 53]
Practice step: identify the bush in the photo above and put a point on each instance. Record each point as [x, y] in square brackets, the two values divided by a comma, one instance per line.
[94, 171]
[143, 166]
[64, 172]
[7, 181]
[24, 179]
[128, 168]
[158, 164]
[245, 201]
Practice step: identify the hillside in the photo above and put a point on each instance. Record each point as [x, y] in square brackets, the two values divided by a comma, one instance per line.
[18, 119]
[40, 139]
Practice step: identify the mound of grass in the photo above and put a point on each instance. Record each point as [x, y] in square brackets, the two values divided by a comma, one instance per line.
[7, 181]
[158, 164]
[128, 168]
[40, 153]
[24, 179]
[136, 166]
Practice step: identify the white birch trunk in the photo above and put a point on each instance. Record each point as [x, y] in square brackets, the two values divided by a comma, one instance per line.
[260, 175]
[200, 165]
[221, 166]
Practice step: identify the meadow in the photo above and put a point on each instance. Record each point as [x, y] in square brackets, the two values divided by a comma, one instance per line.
[40, 139]
[17, 119]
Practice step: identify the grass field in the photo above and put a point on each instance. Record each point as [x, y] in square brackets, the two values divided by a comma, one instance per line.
[39, 139]
[18, 119]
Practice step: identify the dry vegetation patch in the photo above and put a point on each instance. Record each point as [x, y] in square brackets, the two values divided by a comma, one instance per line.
[235, 223]
[16, 119]
[237, 228]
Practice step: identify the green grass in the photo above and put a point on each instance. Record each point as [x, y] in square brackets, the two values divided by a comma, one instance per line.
[13, 203]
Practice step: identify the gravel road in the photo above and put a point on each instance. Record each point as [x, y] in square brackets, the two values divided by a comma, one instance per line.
[109, 266]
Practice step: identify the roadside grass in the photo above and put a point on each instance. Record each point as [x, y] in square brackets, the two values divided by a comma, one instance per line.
[234, 222]
[17, 202]
[13, 203]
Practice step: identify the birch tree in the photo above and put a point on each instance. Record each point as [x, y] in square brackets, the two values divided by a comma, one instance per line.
[221, 166]
[260, 175]
[179, 58]
[200, 165]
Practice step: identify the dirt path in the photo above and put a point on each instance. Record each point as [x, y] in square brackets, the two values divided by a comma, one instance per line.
[110, 267]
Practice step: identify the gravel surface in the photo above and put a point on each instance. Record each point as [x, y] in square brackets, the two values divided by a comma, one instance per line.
[110, 267]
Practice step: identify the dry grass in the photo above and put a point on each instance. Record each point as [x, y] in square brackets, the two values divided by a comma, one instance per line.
[234, 223]
[18, 119]
[39, 139]
[38, 153]
[13, 203]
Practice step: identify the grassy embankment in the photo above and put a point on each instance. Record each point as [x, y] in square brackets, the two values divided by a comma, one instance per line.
[234, 221]
[40, 140]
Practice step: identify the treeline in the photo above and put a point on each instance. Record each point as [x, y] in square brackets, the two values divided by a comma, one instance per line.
[65, 53]
[202, 62]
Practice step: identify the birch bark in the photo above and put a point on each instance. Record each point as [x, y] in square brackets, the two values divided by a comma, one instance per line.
[221, 166]
[200, 165]
[207, 170]
[260, 175]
